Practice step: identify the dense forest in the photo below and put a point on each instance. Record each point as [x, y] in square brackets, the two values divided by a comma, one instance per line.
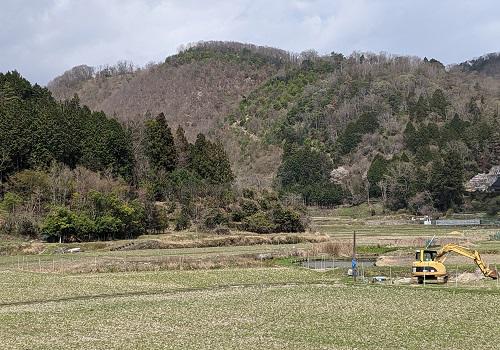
[70, 174]
[333, 129]
[227, 135]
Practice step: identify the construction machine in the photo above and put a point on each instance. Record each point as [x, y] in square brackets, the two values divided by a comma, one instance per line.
[429, 264]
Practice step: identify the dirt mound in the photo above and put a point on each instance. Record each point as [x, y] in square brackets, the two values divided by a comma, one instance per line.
[467, 277]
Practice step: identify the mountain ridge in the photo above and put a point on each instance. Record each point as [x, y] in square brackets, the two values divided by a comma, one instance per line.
[351, 109]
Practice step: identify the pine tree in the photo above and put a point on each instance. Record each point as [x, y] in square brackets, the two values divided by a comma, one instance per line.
[421, 108]
[376, 173]
[159, 145]
[438, 103]
[224, 174]
[410, 137]
[210, 162]
[446, 181]
[183, 148]
[473, 108]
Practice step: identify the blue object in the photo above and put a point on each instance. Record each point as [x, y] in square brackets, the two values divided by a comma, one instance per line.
[354, 263]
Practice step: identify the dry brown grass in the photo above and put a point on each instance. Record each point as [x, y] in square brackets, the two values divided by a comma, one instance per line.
[105, 264]
[223, 241]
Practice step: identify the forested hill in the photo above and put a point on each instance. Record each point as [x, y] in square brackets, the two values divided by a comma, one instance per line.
[329, 128]
[196, 88]
[488, 64]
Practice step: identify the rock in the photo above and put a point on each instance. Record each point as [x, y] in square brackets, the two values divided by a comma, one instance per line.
[404, 280]
[264, 256]
[74, 250]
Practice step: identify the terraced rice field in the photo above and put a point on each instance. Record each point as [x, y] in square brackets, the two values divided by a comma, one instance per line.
[397, 233]
[272, 308]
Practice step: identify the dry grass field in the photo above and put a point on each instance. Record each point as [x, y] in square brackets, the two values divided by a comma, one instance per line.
[273, 308]
[169, 292]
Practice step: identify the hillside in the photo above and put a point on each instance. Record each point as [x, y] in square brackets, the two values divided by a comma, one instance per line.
[350, 127]
[196, 88]
[488, 64]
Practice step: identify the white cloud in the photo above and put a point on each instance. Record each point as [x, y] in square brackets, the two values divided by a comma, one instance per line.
[43, 38]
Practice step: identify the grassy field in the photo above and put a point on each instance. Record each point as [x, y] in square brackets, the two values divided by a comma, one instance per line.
[271, 308]
[196, 296]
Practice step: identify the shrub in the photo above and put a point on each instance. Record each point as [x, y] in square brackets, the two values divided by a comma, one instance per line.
[268, 200]
[215, 217]
[183, 221]
[59, 224]
[10, 201]
[259, 222]
[287, 220]
[237, 213]
[248, 193]
[493, 206]
[23, 225]
[249, 207]
[158, 218]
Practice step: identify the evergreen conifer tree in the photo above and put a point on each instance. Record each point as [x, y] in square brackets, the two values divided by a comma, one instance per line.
[182, 147]
[446, 181]
[159, 145]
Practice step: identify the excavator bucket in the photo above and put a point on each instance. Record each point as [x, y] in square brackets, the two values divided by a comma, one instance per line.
[493, 274]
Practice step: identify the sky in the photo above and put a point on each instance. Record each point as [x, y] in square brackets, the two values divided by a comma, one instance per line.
[43, 38]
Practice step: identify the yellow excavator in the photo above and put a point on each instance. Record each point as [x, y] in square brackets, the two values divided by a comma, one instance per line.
[428, 266]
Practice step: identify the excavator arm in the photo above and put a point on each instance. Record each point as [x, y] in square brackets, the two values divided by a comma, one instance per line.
[472, 254]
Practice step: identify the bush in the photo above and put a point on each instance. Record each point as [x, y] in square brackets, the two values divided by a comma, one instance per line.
[248, 193]
[268, 200]
[183, 221]
[287, 220]
[106, 217]
[215, 217]
[237, 213]
[259, 222]
[493, 206]
[249, 207]
[26, 226]
[61, 224]
[10, 201]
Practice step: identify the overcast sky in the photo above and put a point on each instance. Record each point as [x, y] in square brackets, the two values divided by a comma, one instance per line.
[43, 38]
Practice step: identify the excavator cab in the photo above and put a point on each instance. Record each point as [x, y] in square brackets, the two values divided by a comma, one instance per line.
[426, 270]
[425, 255]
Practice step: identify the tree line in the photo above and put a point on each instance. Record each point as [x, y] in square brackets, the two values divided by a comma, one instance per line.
[70, 174]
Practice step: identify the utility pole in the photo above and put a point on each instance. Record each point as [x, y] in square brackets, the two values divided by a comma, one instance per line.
[354, 262]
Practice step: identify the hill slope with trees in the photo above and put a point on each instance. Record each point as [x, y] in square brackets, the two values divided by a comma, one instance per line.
[330, 129]
[70, 174]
